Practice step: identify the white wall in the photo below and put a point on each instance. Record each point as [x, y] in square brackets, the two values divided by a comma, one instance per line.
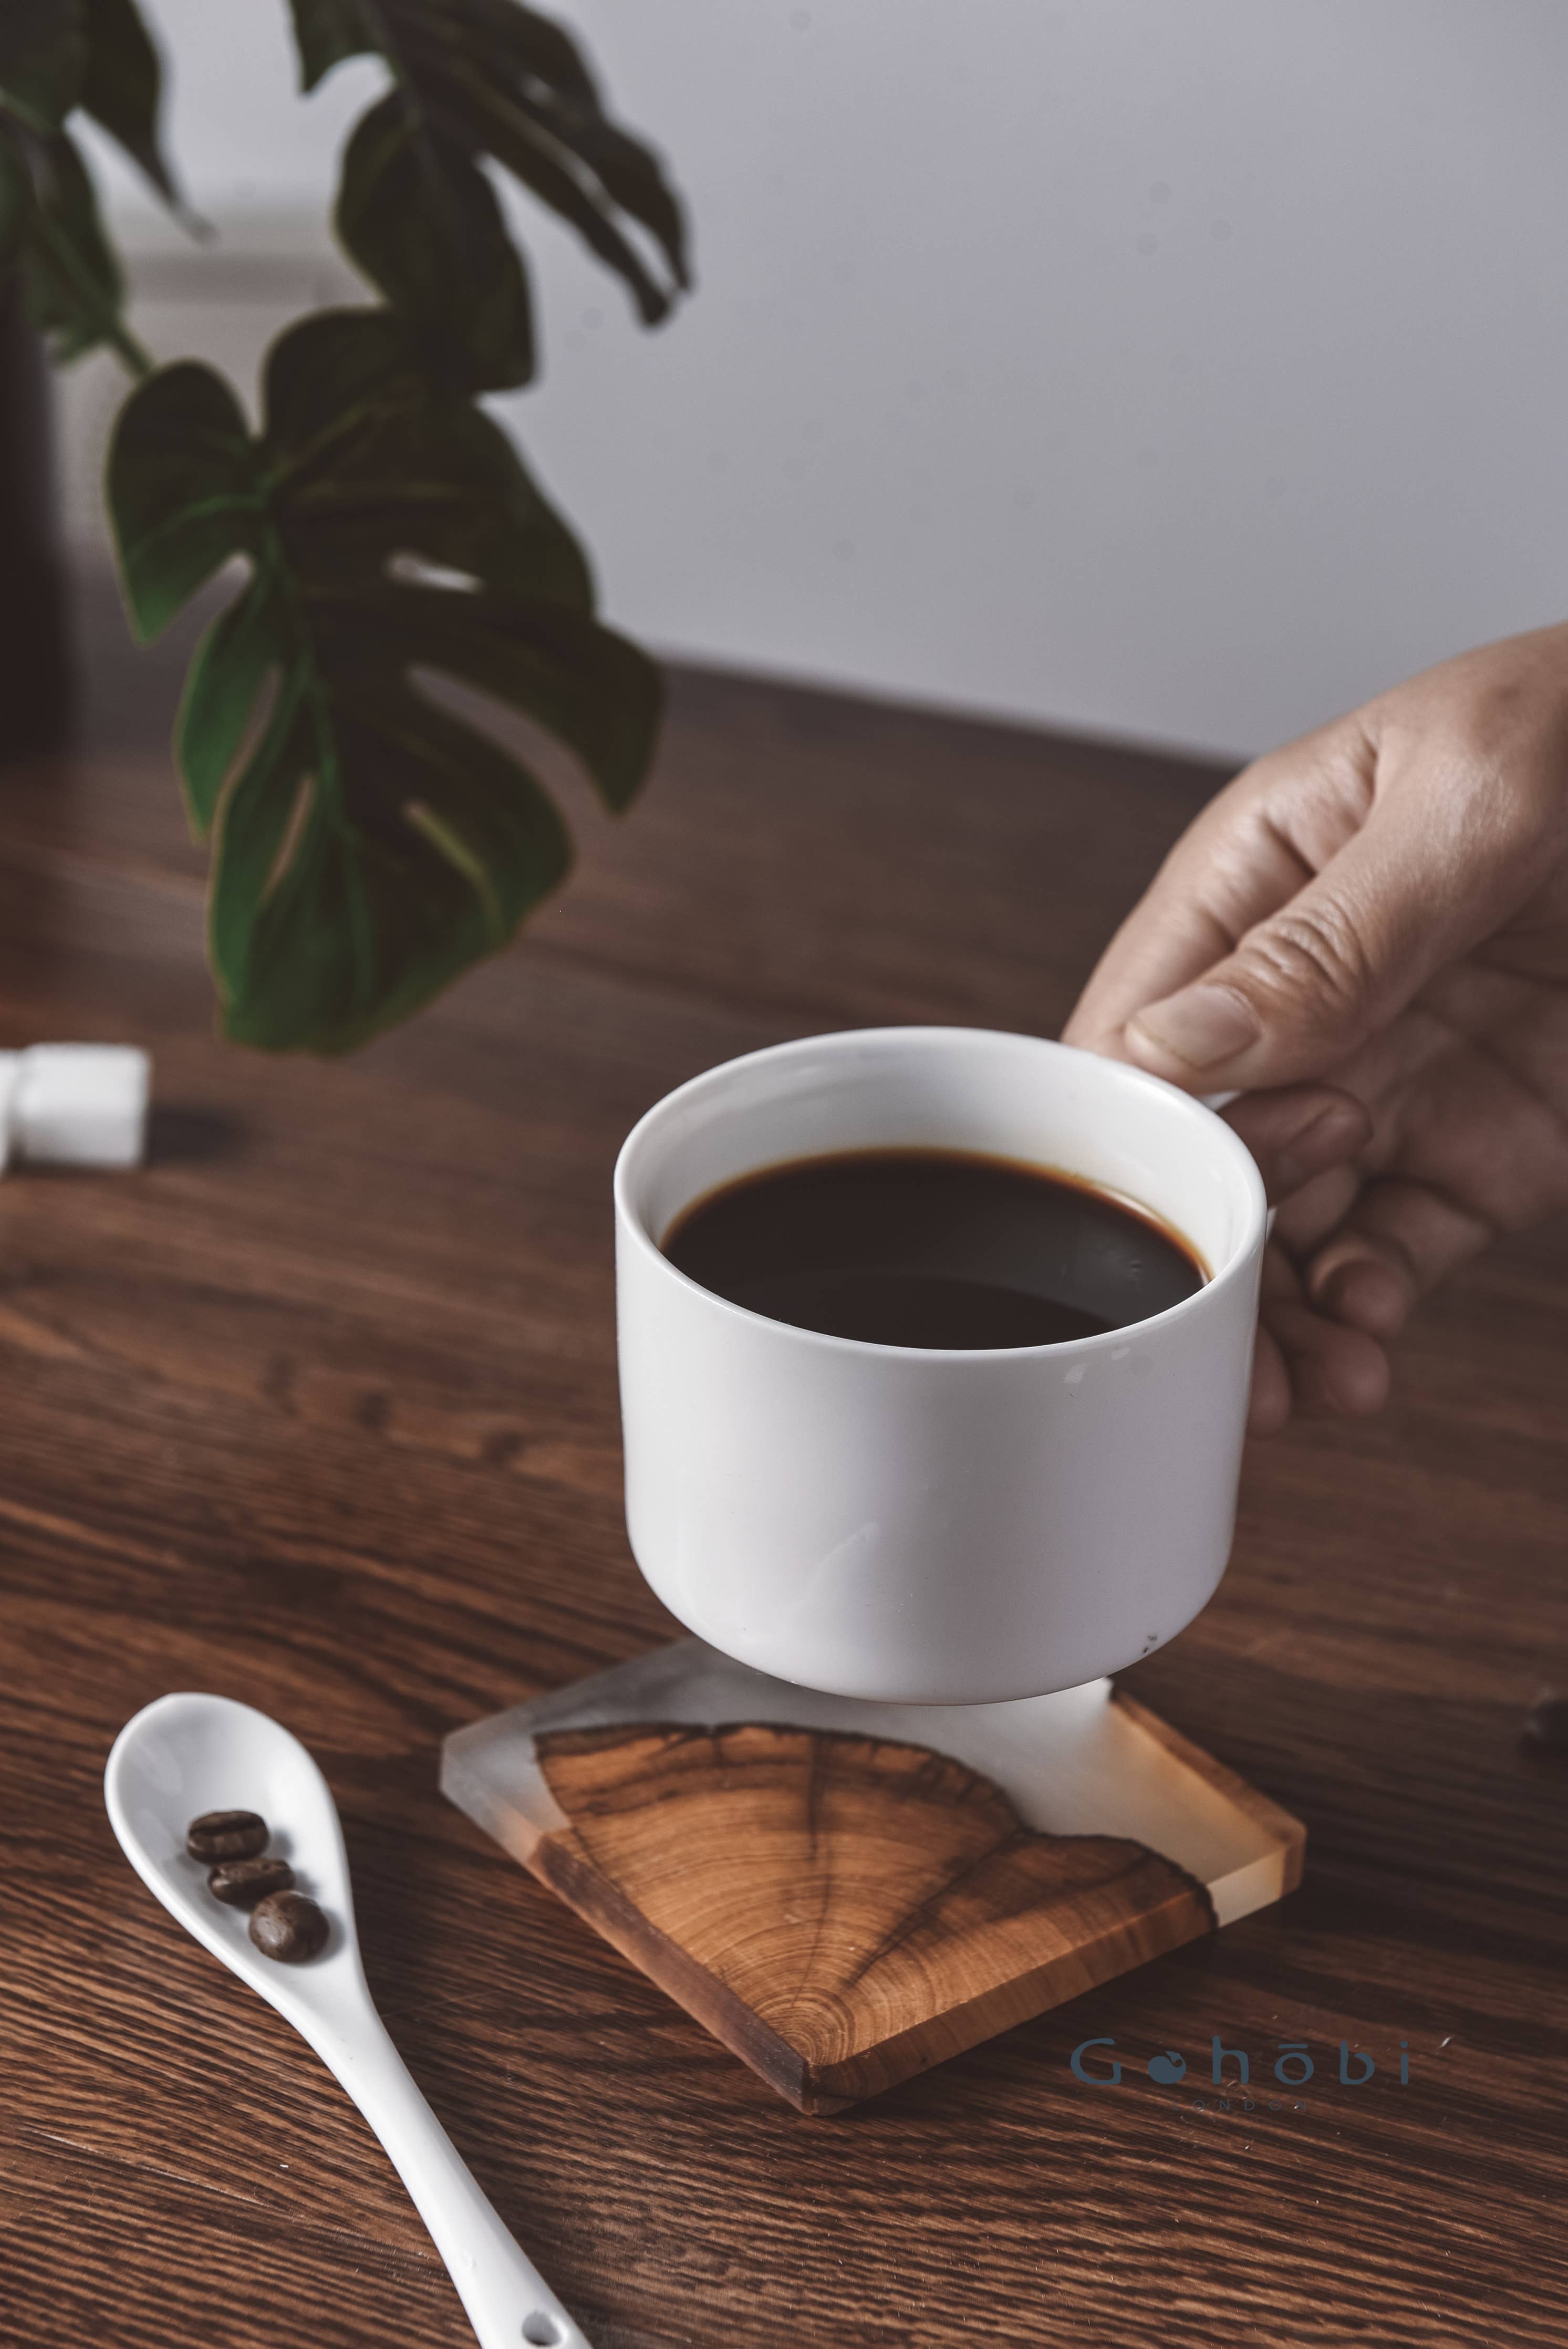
[1181, 371]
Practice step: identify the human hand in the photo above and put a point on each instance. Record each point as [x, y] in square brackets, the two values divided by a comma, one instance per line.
[1366, 935]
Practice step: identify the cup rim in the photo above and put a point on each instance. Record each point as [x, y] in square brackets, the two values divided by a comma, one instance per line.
[1234, 1148]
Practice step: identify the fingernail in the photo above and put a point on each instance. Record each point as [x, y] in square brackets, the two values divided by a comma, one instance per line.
[1203, 1026]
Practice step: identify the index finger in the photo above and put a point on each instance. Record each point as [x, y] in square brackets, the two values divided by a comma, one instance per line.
[1251, 851]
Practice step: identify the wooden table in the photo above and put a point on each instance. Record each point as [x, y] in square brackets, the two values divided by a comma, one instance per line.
[319, 1411]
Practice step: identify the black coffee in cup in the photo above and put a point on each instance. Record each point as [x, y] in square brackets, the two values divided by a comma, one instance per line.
[939, 1248]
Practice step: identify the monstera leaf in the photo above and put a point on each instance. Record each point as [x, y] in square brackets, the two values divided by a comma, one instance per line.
[43, 54]
[55, 57]
[122, 86]
[71, 280]
[475, 79]
[368, 843]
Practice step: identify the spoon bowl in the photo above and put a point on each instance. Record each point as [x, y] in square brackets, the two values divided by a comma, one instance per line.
[189, 1753]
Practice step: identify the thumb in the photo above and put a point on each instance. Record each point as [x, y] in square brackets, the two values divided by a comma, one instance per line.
[1304, 988]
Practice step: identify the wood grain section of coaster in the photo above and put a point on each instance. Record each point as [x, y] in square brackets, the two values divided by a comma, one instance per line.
[841, 1910]
[844, 1908]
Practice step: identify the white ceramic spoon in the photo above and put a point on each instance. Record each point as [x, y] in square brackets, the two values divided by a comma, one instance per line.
[187, 1754]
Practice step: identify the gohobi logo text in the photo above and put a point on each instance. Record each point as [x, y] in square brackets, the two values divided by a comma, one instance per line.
[1096, 2063]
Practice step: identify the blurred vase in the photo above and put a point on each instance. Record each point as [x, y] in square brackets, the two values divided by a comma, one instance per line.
[35, 656]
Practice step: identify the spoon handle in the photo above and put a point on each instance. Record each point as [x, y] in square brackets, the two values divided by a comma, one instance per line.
[508, 2301]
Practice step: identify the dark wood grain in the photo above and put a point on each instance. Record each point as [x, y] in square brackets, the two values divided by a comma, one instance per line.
[319, 1411]
[841, 1910]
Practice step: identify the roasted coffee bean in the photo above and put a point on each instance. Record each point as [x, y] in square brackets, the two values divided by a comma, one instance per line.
[288, 1926]
[1546, 1724]
[241, 1883]
[227, 1835]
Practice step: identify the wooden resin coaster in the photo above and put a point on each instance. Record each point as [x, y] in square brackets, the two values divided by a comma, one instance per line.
[845, 1893]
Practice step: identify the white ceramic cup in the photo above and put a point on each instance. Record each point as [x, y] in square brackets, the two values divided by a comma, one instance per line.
[934, 1526]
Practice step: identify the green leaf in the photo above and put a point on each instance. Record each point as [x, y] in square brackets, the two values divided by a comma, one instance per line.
[186, 490]
[475, 79]
[343, 392]
[223, 687]
[122, 87]
[586, 685]
[49, 220]
[372, 845]
[43, 52]
[324, 33]
[421, 220]
[71, 280]
[279, 781]
[449, 844]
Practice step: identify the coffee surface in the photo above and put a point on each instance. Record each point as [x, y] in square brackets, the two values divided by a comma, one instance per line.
[933, 1248]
